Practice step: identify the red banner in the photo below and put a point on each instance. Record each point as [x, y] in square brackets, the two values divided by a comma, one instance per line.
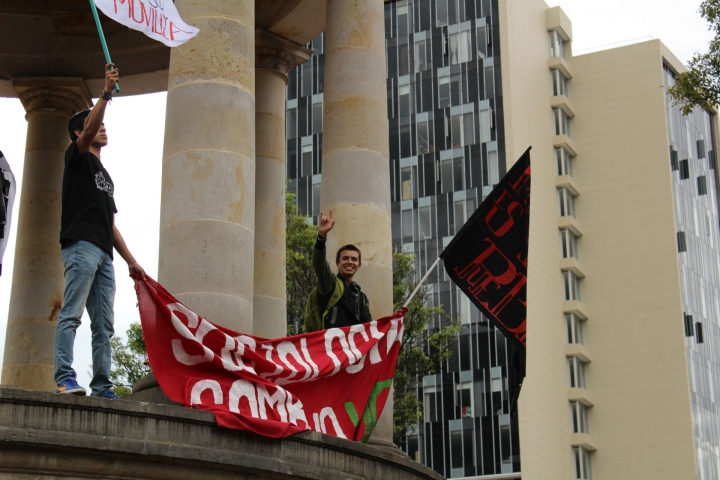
[333, 381]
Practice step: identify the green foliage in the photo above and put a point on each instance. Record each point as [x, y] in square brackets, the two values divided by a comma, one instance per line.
[700, 86]
[427, 337]
[300, 278]
[129, 361]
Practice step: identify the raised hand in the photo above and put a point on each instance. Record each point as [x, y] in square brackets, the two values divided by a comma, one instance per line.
[325, 224]
[111, 77]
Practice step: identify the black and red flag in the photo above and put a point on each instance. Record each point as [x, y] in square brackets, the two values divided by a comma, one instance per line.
[488, 261]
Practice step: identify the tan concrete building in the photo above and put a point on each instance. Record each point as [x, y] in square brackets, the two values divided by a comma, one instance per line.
[608, 144]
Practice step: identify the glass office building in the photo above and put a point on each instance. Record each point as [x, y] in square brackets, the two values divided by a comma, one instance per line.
[695, 189]
[446, 154]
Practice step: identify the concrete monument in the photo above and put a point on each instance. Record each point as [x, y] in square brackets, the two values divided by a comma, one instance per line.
[222, 249]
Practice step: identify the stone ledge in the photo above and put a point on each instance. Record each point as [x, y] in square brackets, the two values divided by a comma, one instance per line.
[43, 434]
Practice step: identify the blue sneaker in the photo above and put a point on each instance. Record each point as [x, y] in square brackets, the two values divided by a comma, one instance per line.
[108, 394]
[69, 385]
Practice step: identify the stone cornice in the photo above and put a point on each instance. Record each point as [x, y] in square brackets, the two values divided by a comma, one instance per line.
[68, 95]
[278, 53]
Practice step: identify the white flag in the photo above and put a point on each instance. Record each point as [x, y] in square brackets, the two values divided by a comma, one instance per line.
[158, 19]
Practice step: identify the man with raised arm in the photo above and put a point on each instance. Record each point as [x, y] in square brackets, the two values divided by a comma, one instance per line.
[337, 301]
[88, 235]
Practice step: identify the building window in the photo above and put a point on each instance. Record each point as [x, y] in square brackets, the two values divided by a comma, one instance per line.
[421, 55]
[560, 83]
[306, 156]
[569, 243]
[567, 202]
[580, 417]
[564, 161]
[452, 174]
[291, 123]
[674, 159]
[402, 18]
[699, 332]
[493, 173]
[405, 105]
[684, 169]
[701, 148]
[424, 138]
[562, 122]
[577, 372]
[429, 405]
[408, 178]
[407, 226]
[682, 246]
[424, 224]
[460, 218]
[460, 47]
[572, 286]
[557, 44]
[306, 90]
[464, 399]
[574, 328]
[582, 463]
[444, 88]
[317, 115]
[689, 325]
[441, 9]
[403, 58]
[462, 129]
[482, 42]
[702, 185]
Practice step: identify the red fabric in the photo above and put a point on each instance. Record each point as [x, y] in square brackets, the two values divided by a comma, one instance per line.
[334, 381]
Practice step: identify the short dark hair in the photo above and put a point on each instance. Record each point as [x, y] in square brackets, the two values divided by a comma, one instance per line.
[352, 248]
[77, 122]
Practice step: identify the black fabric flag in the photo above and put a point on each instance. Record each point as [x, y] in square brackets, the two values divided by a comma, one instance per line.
[488, 261]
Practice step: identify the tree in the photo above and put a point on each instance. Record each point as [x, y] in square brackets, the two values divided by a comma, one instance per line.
[700, 86]
[129, 361]
[427, 337]
[300, 278]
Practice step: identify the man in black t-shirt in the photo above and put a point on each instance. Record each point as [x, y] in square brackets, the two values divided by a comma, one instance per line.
[88, 236]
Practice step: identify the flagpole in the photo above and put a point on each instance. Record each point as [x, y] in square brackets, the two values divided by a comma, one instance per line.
[422, 281]
[102, 38]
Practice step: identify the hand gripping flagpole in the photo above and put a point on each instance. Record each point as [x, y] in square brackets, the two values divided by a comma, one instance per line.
[422, 281]
[102, 38]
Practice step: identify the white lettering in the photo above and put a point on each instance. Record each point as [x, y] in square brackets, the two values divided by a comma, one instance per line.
[201, 386]
[240, 389]
[279, 398]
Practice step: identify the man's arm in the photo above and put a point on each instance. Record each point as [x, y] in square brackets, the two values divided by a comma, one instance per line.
[122, 249]
[95, 117]
[325, 277]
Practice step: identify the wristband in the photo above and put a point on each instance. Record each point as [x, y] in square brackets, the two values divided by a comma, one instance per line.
[107, 96]
[320, 238]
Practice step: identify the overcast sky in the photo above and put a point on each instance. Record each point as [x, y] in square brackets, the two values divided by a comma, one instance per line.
[136, 124]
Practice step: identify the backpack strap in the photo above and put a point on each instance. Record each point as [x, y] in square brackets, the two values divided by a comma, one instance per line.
[335, 297]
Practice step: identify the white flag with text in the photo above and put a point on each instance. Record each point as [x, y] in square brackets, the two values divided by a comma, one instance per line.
[158, 19]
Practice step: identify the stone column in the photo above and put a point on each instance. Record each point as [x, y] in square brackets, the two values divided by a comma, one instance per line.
[355, 171]
[37, 283]
[275, 56]
[207, 219]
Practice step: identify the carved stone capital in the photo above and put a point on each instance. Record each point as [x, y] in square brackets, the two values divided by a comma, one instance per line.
[277, 53]
[68, 95]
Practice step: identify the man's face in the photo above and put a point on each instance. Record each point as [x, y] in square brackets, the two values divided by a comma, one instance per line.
[349, 263]
[101, 139]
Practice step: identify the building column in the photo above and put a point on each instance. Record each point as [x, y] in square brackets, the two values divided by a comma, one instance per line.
[207, 216]
[38, 283]
[355, 171]
[274, 57]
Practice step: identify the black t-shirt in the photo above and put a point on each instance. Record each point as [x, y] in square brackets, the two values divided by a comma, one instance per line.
[87, 201]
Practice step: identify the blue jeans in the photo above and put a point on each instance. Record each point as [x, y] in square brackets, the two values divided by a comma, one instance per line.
[89, 282]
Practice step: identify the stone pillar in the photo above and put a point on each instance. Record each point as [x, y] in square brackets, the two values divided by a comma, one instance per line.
[37, 283]
[355, 171]
[207, 216]
[275, 56]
